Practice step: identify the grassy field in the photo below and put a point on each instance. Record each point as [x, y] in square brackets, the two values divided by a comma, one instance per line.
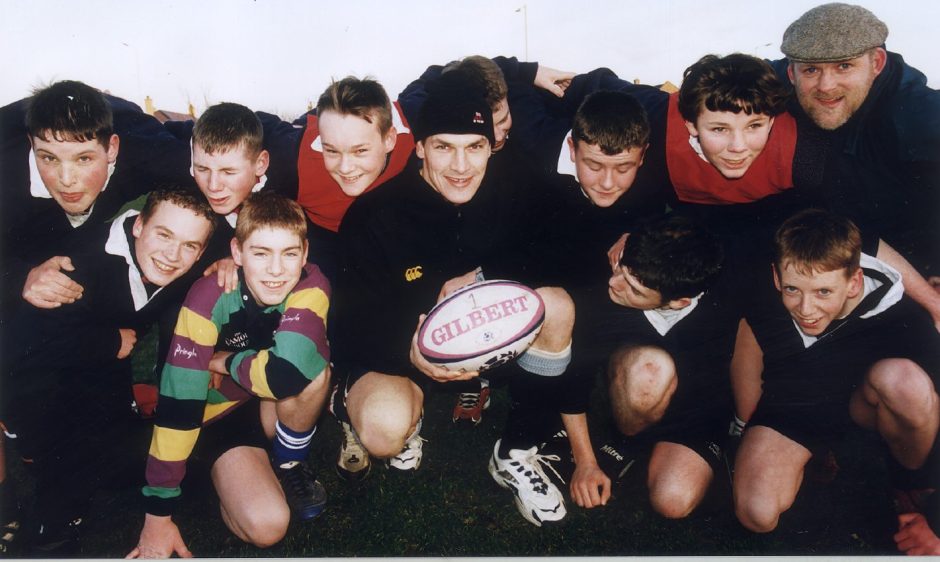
[451, 507]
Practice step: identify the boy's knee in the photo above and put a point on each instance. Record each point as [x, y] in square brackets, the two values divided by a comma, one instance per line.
[559, 314]
[903, 385]
[266, 527]
[756, 515]
[642, 380]
[673, 500]
[383, 428]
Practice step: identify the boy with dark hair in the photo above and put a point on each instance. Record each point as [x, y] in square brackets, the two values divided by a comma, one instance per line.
[65, 169]
[356, 141]
[61, 175]
[269, 335]
[74, 358]
[831, 344]
[597, 193]
[666, 335]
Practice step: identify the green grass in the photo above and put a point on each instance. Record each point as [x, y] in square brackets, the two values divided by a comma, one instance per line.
[451, 507]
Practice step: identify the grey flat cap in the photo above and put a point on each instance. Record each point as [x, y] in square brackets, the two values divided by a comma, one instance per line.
[833, 32]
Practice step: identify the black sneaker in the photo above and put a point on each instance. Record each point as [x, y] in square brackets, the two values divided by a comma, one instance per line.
[305, 495]
[61, 541]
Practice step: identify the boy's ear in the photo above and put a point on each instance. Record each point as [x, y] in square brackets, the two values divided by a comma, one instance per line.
[236, 251]
[391, 137]
[679, 304]
[138, 227]
[856, 283]
[419, 149]
[643, 155]
[690, 126]
[262, 162]
[571, 148]
[114, 144]
[773, 268]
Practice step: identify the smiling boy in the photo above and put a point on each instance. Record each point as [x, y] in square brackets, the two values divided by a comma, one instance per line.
[74, 358]
[269, 338]
[355, 141]
[836, 345]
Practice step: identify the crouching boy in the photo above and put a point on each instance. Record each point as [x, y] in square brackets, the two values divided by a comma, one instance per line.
[667, 334]
[841, 346]
[268, 341]
[68, 389]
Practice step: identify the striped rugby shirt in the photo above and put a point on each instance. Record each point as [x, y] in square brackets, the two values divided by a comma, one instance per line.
[278, 350]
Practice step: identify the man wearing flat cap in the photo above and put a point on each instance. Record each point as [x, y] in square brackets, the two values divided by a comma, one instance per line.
[444, 222]
[871, 129]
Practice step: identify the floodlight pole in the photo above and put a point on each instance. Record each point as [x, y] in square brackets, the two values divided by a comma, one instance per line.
[525, 27]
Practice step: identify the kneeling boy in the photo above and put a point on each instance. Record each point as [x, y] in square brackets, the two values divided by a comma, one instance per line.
[841, 346]
[70, 378]
[269, 335]
[671, 333]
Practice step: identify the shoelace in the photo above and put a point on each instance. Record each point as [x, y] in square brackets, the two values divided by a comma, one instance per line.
[296, 478]
[468, 400]
[408, 447]
[536, 477]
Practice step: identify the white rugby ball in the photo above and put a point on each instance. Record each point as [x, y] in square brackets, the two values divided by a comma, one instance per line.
[481, 326]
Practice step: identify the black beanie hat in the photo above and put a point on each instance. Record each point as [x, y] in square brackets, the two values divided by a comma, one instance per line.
[456, 106]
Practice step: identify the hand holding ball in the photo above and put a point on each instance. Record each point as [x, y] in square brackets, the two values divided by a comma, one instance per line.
[481, 326]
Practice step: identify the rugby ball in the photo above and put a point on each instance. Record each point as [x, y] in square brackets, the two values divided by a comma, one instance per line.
[481, 326]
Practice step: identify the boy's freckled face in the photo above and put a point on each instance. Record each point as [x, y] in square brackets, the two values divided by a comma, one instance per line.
[226, 177]
[815, 299]
[74, 172]
[272, 260]
[169, 242]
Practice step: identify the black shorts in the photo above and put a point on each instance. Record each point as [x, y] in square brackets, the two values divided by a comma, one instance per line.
[239, 428]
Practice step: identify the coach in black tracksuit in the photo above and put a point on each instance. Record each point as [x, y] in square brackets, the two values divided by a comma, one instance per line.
[446, 217]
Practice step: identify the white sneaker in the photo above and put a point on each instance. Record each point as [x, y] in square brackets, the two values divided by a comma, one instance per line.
[537, 499]
[410, 456]
[353, 463]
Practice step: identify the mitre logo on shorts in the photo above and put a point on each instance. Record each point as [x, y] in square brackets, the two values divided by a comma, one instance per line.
[478, 118]
[413, 273]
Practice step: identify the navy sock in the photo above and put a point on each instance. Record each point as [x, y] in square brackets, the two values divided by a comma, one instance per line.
[290, 445]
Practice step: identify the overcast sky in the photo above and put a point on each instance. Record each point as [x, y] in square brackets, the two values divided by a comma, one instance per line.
[279, 55]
